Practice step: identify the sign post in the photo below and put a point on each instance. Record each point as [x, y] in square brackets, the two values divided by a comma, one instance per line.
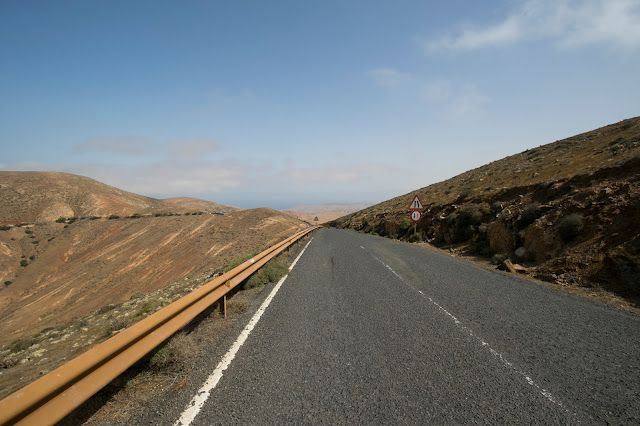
[415, 207]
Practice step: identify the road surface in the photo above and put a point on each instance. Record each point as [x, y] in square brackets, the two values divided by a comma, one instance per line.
[369, 331]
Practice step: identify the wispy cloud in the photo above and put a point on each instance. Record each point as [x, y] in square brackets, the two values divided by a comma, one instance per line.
[341, 174]
[458, 99]
[138, 146]
[166, 177]
[119, 145]
[566, 23]
[192, 148]
[390, 78]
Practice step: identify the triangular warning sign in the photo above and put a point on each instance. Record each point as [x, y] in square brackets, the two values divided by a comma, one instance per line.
[416, 204]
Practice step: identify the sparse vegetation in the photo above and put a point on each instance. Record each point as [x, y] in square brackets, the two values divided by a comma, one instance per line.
[530, 214]
[464, 195]
[113, 216]
[4, 228]
[272, 271]
[61, 219]
[8, 282]
[95, 217]
[135, 216]
[118, 324]
[32, 257]
[22, 344]
[28, 231]
[239, 261]
[149, 306]
[105, 309]
[569, 227]
[23, 263]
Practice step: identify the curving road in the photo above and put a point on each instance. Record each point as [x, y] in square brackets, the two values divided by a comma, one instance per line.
[367, 330]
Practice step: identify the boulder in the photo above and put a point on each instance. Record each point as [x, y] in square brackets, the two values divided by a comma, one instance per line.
[509, 266]
[500, 239]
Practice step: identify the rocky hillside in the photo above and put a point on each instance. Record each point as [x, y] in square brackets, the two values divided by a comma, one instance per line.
[567, 211]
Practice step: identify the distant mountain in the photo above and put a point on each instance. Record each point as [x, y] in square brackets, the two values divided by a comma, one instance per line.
[345, 208]
[324, 212]
[200, 205]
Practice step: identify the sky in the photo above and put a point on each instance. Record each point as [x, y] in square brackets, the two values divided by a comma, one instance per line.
[280, 103]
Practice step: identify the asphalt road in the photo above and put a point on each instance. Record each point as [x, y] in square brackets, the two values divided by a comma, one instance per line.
[370, 331]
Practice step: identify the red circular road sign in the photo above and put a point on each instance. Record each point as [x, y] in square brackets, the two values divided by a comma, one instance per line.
[416, 216]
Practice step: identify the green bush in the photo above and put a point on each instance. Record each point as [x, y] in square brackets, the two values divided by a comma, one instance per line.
[149, 306]
[570, 226]
[405, 224]
[239, 261]
[7, 282]
[530, 214]
[22, 344]
[61, 219]
[94, 217]
[113, 216]
[31, 257]
[467, 219]
[271, 272]
[23, 263]
[28, 231]
[135, 216]
[499, 258]
[4, 228]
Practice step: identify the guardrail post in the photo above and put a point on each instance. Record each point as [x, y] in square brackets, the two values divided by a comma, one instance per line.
[222, 304]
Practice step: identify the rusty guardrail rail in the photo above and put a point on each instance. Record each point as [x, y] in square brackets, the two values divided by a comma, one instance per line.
[50, 398]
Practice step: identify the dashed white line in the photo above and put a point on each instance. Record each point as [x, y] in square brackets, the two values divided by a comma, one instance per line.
[482, 342]
[198, 401]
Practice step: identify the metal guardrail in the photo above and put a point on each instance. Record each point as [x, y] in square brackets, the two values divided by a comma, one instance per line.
[53, 396]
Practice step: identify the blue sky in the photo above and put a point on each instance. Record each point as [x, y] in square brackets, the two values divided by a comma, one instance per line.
[278, 103]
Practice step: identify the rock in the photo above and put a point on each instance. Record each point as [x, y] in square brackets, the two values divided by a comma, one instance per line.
[519, 268]
[521, 252]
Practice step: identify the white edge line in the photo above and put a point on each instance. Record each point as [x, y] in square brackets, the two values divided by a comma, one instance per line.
[198, 401]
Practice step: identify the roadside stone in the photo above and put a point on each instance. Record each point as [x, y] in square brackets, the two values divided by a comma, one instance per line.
[507, 265]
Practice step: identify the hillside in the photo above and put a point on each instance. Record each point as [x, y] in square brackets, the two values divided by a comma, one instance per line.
[567, 210]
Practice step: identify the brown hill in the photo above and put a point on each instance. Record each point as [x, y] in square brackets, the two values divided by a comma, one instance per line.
[46, 196]
[568, 210]
[196, 204]
[54, 272]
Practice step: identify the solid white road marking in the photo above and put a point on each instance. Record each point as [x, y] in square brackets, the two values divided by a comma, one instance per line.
[201, 397]
[483, 343]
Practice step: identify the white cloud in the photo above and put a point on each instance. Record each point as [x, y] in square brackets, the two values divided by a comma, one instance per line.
[566, 23]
